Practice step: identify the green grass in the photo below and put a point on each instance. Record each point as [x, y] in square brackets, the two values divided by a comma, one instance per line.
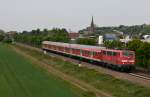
[103, 82]
[20, 78]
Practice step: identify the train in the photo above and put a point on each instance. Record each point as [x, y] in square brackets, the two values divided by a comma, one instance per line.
[123, 60]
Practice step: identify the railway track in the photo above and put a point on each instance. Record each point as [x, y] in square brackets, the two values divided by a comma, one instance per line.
[140, 76]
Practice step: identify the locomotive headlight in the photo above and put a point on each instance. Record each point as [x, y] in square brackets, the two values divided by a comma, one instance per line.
[124, 60]
[131, 60]
[127, 60]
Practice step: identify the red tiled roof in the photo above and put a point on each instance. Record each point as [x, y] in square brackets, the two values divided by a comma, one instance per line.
[73, 35]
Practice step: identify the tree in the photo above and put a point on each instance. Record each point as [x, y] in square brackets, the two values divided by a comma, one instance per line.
[58, 35]
[143, 55]
[86, 41]
[142, 52]
[2, 35]
[35, 37]
[113, 44]
[134, 44]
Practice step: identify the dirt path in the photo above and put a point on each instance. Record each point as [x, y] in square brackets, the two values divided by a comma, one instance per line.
[84, 86]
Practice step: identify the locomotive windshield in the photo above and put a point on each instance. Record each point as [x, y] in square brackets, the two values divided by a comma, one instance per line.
[128, 53]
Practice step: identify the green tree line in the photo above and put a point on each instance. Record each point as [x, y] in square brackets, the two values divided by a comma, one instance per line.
[35, 37]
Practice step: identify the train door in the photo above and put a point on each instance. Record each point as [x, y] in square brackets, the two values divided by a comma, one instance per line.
[97, 55]
[104, 55]
[114, 57]
[118, 58]
[100, 55]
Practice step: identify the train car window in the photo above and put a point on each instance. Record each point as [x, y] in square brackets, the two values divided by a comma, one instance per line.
[91, 53]
[66, 48]
[83, 51]
[88, 52]
[94, 53]
[114, 53]
[78, 50]
[98, 53]
[75, 50]
[109, 53]
[104, 52]
[127, 53]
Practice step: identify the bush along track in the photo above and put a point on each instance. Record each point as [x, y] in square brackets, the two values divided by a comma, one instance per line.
[102, 82]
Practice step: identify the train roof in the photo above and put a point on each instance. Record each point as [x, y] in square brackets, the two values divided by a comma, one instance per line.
[78, 46]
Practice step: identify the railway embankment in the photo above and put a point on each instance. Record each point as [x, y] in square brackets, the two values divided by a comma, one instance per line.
[100, 81]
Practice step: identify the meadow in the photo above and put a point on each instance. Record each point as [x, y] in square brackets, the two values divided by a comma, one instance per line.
[20, 78]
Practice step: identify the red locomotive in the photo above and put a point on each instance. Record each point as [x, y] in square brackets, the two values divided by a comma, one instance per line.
[117, 59]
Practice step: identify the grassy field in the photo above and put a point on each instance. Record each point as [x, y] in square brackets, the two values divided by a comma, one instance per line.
[20, 78]
[103, 82]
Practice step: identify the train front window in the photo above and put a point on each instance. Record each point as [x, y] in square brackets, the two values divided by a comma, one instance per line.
[114, 53]
[127, 53]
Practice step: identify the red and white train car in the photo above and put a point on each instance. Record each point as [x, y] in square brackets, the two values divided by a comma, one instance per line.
[120, 59]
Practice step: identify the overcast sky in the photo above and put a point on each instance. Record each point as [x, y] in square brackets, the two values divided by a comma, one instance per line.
[71, 14]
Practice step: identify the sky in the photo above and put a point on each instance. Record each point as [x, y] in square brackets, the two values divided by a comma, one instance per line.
[19, 15]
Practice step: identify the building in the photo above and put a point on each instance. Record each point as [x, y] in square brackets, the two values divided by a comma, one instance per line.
[126, 39]
[146, 38]
[73, 35]
[100, 40]
[110, 37]
[91, 29]
[11, 33]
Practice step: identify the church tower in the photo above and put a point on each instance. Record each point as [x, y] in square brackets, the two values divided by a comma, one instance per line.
[92, 28]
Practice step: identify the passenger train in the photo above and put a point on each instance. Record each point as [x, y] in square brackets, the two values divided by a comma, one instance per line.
[123, 60]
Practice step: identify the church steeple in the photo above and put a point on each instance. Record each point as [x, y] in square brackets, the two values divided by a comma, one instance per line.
[92, 26]
[92, 23]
